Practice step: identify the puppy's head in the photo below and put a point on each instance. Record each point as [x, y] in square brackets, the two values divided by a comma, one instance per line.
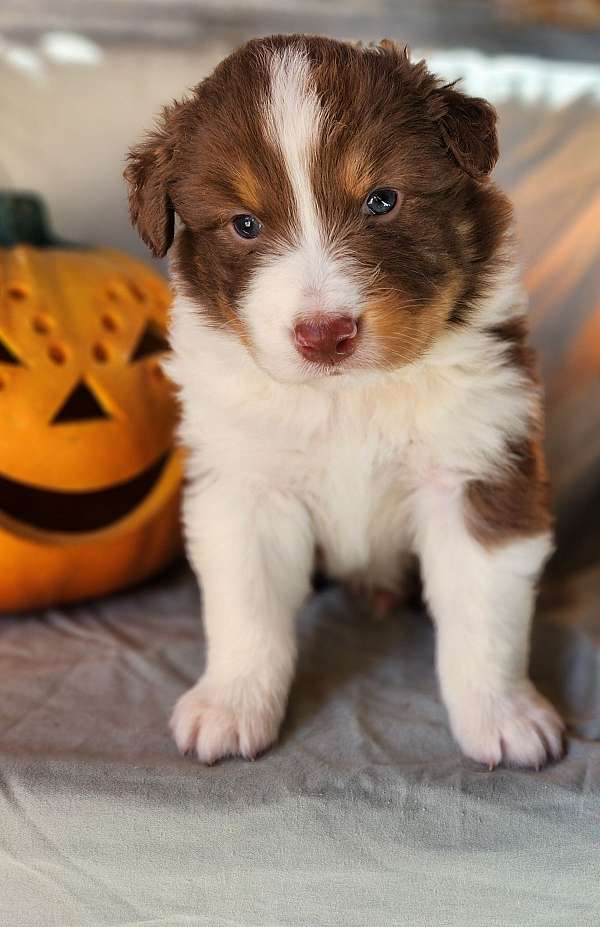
[335, 207]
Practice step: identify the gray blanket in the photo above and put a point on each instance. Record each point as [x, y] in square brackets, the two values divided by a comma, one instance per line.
[364, 813]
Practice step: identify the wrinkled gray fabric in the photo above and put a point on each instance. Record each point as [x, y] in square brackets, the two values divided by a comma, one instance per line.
[365, 813]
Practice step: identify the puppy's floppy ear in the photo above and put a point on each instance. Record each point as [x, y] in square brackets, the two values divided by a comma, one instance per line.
[149, 175]
[468, 129]
[467, 125]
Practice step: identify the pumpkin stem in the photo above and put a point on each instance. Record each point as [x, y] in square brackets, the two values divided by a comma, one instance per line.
[24, 221]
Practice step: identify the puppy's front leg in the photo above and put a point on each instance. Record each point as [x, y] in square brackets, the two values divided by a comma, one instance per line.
[481, 597]
[252, 550]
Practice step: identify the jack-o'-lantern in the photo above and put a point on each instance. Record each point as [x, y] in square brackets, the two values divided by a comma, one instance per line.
[89, 480]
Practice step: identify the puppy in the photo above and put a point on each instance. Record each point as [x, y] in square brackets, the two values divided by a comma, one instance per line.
[350, 347]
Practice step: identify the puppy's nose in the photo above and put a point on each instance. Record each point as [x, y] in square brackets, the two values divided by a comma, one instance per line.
[326, 338]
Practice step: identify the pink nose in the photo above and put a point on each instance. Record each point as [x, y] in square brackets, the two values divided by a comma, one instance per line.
[326, 338]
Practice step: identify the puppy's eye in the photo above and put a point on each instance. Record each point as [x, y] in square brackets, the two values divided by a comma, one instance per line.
[246, 226]
[380, 202]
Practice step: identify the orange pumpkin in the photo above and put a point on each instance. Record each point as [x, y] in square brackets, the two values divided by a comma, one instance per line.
[89, 479]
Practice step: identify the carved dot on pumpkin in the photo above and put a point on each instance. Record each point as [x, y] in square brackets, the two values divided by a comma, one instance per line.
[100, 352]
[110, 322]
[113, 294]
[42, 323]
[17, 292]
[57, 354]
[137, 293]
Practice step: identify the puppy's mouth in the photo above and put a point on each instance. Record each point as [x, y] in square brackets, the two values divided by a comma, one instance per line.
[314, 369]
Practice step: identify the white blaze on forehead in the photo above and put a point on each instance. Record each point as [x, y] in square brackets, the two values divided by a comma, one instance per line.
[312, 273]
[323, 275]
[293, 123]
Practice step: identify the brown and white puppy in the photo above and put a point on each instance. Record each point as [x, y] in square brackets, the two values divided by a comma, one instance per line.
[350, 346]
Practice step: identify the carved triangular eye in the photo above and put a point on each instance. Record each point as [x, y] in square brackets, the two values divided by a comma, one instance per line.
[151, 341]
[7, 356]
[80, 406]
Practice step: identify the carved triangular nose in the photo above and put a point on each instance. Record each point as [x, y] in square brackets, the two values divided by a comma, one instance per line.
[80, 406]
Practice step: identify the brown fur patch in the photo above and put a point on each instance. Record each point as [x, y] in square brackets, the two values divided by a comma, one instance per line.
[514, 333]
[517, 505]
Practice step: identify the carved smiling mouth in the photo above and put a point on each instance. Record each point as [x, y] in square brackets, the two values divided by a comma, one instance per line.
[76, 512]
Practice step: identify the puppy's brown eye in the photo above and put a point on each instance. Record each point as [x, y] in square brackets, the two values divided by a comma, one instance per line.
[246, 226]
[380, 202]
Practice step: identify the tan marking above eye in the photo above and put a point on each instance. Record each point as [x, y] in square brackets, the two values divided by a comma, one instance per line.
[247, 188]
[356, 173]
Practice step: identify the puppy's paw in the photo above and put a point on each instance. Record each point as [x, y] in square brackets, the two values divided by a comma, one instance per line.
[215, 719]
[520, 728]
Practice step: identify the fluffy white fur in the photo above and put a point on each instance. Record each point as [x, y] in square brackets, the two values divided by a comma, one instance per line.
[367, 466]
